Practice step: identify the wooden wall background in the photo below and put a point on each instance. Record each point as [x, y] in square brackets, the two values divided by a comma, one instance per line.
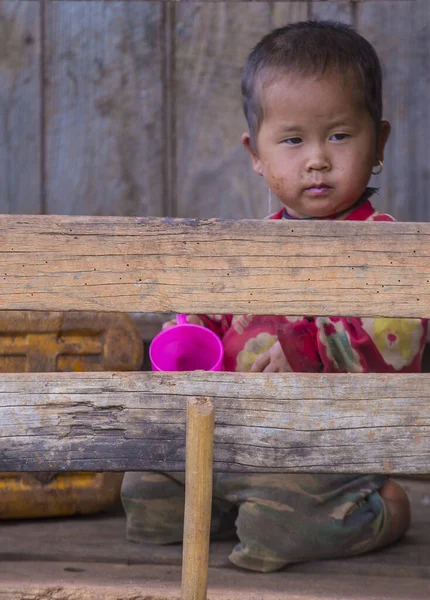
[134, 108]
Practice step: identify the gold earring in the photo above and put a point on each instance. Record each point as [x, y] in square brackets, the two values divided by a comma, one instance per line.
[381, 166]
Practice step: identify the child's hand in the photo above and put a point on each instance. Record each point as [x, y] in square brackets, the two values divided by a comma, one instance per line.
[192, 319]
[271, 361]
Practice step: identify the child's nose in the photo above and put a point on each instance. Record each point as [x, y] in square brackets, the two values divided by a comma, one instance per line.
[318, 159]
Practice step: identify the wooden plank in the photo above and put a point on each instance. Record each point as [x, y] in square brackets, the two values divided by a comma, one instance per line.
[104, 108]
[214, 175]
[79, 580]
[20, 102]
[399, 32]
[239, 267]
[92, 539]
[339, 10]
[310, 423]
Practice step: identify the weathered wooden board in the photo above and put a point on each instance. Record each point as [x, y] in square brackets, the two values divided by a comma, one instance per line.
[399, 32]
[192, 266]
[214, 175]
[20, 107]
[86, 581]
[104, 108]
[371, 423]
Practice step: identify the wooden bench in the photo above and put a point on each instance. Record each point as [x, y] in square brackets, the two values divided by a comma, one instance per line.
[309, 423]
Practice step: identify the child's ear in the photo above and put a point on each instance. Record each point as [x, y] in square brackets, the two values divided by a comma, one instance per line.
[257, 167]
[384, 132]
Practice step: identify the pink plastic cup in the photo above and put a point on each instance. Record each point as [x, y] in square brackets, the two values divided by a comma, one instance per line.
[186, 347]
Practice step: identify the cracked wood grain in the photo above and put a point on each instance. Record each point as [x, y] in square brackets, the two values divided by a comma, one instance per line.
[333, 423]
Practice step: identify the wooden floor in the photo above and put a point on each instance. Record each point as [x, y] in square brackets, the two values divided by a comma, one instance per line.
[88, 557]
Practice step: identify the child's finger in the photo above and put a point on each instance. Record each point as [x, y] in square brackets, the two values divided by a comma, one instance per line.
[194, 320]
[261, 363]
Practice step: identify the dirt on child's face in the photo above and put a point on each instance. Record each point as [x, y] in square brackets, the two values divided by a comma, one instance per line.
[317, 143]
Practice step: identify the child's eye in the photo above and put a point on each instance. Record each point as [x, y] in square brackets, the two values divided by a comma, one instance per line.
[293, 141]
[339, 136]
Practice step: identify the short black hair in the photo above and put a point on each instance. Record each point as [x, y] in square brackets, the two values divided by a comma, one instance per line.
[310, 48]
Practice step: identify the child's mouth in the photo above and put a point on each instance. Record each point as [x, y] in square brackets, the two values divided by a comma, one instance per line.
[318, 190]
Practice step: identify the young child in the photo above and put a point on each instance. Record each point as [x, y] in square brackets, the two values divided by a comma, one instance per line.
[312, 100]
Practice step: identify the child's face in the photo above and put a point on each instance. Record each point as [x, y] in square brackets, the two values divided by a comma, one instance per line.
[316, 146]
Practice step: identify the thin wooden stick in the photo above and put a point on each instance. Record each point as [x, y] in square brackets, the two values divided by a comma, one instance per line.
[198, 498]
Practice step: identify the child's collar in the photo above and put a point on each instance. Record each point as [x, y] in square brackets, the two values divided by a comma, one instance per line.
[368, 193]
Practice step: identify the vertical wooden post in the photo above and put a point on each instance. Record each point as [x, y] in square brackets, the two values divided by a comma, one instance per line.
[198, 498]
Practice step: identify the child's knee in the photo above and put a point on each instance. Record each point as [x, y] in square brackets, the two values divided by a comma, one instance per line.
[274, 534]
[398, 513]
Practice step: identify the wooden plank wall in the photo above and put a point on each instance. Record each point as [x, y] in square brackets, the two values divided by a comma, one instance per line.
[134, 108]
[104, 102]
[20, 108]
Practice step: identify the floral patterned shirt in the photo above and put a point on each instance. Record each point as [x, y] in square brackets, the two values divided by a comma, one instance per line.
[325, 344]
